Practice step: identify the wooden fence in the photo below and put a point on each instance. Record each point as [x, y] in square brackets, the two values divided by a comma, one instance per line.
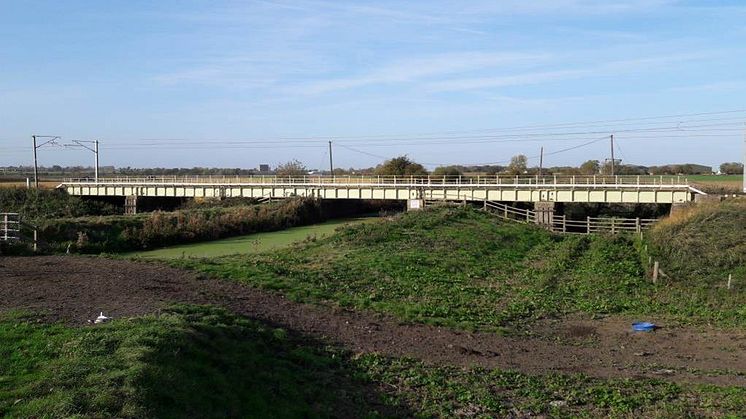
[14, 230]
[561, 224]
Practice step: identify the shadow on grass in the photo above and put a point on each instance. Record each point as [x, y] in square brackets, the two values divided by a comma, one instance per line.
[190, 361]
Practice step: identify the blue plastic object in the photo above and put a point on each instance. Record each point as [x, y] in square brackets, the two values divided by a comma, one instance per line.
[643, 326]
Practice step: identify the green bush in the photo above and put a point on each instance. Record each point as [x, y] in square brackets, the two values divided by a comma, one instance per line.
[157, 229]
[37, 204]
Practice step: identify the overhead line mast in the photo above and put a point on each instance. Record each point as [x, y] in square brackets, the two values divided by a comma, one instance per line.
[331, 160]
[612, 155]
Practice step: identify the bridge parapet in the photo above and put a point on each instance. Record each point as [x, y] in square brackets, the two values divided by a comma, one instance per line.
[533, 181]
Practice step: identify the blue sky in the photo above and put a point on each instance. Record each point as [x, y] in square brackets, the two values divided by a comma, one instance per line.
[235, 84]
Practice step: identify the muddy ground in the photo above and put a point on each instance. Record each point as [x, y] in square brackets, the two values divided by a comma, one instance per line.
[75, 289]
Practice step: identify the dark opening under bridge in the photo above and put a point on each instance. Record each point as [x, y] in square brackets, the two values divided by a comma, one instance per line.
[414, 189]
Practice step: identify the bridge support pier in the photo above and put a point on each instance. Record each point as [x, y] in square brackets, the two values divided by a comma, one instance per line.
[130, 204]
[545, 212]
[678, 207]
[415, 204]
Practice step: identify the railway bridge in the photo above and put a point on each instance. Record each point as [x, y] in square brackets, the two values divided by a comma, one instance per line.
[544, 191]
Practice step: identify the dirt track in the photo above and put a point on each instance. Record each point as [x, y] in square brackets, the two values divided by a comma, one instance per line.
[75, 289]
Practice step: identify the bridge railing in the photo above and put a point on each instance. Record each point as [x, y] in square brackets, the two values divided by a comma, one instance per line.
[557, 180]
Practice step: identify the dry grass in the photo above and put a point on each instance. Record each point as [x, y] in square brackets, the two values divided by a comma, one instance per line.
[22, 184]
[703, 242]
[719, 187]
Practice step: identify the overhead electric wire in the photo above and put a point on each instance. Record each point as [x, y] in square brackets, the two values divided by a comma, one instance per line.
[679, 126]
[455, 134]
[692, 126]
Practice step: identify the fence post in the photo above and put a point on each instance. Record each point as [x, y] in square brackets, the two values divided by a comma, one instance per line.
[730, 278]
[655, 272]
[588, 225]
[564, 223]
[5, 226]
[36, 237]
[638, 227]
[613, 230]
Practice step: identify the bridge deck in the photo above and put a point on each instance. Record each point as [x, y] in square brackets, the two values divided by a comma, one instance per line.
[602, 189]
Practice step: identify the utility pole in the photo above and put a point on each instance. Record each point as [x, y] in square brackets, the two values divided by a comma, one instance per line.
[331, 161]
[36, 165]
[94, 150]
[52, 140]
[612, 155]
[744, 157]
[541, 161]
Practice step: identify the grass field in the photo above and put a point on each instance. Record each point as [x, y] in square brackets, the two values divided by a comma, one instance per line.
[22, 184]
[451, 266]
[187, 360]
[201, 361]
[718, 184]
[715, 178]
[249, 244]
[463, 268]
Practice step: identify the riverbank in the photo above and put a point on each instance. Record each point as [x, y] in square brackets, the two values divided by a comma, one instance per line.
[251, 243]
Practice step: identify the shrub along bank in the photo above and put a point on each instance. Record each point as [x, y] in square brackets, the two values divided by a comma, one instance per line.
[157, 229]
[37, 204]
[703, 244]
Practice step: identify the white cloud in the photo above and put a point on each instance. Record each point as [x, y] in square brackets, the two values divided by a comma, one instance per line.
[419, 68]
[609, 68]
[565, 7]
[712, 87]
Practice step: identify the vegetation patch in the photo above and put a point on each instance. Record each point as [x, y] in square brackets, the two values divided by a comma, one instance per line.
[38, 204]
[464, 268]
[188, 361]
[201, 361]
[249, 244]
[703, 244]
[478, 392]
[158, 229]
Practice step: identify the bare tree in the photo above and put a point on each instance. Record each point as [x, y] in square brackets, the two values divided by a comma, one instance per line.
[518, 165]
[291, 168]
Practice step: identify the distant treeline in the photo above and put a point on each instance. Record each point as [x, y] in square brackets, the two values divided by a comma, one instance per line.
[399, 165]
[83, 171]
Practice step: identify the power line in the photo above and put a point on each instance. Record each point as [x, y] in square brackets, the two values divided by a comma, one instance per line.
[455, 134]
[673, 126]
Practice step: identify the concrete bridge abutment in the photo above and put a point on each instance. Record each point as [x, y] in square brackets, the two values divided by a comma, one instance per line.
[415, 204]
[130, 204]
[546, 210]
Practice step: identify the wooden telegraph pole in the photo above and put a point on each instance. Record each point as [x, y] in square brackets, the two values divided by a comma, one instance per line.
[541, 161]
